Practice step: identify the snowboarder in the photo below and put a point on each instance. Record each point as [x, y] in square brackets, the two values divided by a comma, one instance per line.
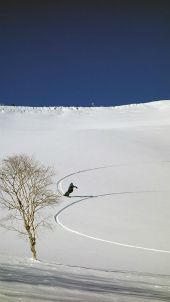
[70, 189]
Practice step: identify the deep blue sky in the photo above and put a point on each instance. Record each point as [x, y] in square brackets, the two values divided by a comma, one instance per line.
[78, 52]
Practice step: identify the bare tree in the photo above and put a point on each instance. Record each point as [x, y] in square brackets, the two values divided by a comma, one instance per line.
[25, 189]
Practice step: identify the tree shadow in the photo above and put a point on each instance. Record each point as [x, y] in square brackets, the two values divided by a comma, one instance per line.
[138, 288]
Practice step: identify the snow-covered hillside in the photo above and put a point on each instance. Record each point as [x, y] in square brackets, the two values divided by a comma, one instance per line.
[117, 219]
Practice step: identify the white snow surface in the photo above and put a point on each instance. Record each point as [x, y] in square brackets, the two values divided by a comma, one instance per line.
[111, 240]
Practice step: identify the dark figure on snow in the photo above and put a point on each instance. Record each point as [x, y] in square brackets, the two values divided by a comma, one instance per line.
[70, 189]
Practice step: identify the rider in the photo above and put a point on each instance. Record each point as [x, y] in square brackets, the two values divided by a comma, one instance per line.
[70, 189]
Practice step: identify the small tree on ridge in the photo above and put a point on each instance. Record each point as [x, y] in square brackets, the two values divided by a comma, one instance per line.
[25, 189]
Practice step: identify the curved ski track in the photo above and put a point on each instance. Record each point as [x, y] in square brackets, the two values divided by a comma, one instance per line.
[60, 190]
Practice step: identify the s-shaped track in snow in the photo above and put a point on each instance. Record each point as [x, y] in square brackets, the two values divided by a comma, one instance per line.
[61, 192]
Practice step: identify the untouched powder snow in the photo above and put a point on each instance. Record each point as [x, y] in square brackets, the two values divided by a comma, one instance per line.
[110, 241]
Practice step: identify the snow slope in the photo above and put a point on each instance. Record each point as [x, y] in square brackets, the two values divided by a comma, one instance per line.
[117, 220]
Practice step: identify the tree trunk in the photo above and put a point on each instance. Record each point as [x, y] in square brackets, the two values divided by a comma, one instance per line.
[32, 246]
